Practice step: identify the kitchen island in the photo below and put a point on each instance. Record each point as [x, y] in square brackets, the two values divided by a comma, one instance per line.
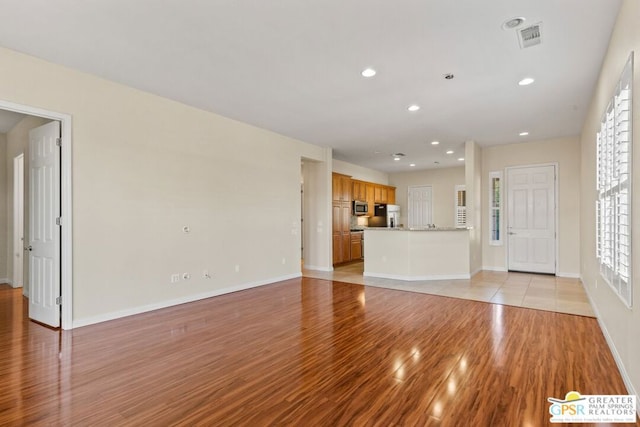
[417, 254]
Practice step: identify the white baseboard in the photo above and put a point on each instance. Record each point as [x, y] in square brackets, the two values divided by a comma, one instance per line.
[417, 278]
[77, 323]
[503, 269]
[317, 268]
[476, 271]
[614, 351]
[569, 275]
[6, 281]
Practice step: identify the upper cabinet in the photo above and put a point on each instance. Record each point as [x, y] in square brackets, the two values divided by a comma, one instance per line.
[384, 194]
[341, 185]
[347, 189]
[391, 195]
[359, 190]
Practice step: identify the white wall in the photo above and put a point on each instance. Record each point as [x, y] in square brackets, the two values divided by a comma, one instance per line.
[566, 153]
[473, 182]
[442, 181]
[144, 167]
[620, 324]
[4, 225]
[360, 173]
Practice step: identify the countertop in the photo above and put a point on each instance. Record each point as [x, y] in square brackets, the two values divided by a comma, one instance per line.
[416, 229]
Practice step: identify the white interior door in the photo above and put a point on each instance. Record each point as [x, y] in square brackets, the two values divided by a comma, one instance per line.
[420, 208]
[531, 232]
[44, 234]
[18, 222]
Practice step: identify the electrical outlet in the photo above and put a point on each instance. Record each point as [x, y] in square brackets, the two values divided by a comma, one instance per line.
[186, 276]
[175, 278]
[284, 261]
[237, 268]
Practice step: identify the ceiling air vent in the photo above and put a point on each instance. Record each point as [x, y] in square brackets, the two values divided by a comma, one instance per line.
[530, 36]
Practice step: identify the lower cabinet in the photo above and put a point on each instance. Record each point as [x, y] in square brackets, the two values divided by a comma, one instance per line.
[356, 246]
[341, 235]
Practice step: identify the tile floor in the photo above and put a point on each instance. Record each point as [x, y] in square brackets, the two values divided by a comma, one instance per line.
[538, 291]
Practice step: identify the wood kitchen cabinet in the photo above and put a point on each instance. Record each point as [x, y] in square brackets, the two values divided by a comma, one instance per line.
[380, 194]
[356, 245]
[384, 194]
[341, 212]
[359, 190]
[391, 195]
[347, 246]
[341, 187]
[370, 189]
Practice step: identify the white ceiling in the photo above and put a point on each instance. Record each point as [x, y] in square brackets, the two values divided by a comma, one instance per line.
[293, 66]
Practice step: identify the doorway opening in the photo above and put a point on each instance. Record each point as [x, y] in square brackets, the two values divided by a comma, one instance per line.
[18, 224]
[63, 213]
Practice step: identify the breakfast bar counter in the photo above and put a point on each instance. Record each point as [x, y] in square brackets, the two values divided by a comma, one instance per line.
[417, 254]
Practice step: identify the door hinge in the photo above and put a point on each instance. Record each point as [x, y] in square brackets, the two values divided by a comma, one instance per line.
[59, 142]
[59, 300]
[59, 221]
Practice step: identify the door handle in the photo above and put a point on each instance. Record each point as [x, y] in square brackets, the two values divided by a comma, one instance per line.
[28, 248]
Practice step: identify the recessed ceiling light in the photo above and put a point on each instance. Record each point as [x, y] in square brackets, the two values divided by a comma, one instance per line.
[450, 152]
[368, 72]
[526, 81]
[461, 159]
[396, 158]
[524, 133]
[412, 165]
[435, 142]
[413, 107]
[512, 23]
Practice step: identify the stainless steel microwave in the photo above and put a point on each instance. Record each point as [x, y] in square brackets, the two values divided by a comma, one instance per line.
[360, 208]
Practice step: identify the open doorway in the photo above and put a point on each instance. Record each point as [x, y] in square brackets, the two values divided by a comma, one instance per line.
[315, 210]
[18, 225]
[52, 211]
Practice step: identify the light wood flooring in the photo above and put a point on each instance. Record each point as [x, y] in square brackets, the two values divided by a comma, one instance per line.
[539, 291]
[304, 352]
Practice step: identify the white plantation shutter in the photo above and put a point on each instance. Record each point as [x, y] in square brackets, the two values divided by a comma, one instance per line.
[613, 207]
[461, 206]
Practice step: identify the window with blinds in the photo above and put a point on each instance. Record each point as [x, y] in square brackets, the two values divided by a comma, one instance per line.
[613, 206]
[461, 206]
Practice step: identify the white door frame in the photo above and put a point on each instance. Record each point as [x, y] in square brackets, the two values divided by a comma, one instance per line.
[66, 251]
[18, 223]
[505, 201]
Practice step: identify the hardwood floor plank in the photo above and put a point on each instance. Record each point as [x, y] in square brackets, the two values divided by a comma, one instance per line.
[302, 352]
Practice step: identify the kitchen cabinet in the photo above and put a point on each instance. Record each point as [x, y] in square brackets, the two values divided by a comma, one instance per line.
[347, 246]
[370, 190]
[341, 187]
[384, 194]
[391, 195]
[380, 194]
[341, 217]
[359, 190]
[356, 245]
